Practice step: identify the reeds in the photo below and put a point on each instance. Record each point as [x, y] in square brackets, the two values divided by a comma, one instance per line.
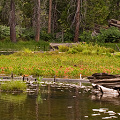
[13, 86]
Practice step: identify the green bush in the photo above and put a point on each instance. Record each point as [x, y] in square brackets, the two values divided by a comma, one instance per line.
[4, 31]
[88, 49]
[72, 50]
[110, 35]
[45, 36]
[86, 36]
[63, 48]
[68, 36]
[27, 34]
[86, 52]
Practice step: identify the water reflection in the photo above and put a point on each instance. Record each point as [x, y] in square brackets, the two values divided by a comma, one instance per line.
[111, 98]
[56, 102]
[13, 97]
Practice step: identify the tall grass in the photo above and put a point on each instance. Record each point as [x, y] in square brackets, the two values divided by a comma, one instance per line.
[13, 86]
[19, 46]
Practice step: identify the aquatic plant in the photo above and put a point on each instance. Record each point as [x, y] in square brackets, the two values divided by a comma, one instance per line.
[13, 86]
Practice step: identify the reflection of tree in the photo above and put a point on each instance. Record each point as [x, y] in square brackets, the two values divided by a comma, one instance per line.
[37, 110]
[14, 98]
[49, 102]
[110, 98]
[76, 103]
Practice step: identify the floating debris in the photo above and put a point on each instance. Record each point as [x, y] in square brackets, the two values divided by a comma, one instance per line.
[103, 109]
[113, 117]
[111, 112]
[118, 113]
[100, 110]
[96, 110]
[69, 107]
[109, 117]
[106, 117]
[74, 96]
[95, 114]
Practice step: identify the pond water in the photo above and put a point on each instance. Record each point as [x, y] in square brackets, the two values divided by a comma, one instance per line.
[6, 53]
[58, 103]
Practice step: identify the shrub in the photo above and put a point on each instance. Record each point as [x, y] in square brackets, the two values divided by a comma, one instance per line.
[72, 51]
[46, 36]
[89, 49]
[27, 34]
[4, 31]
[110, 35]
[63, 48]
[86, 52]
[86, 36]
[68, 36]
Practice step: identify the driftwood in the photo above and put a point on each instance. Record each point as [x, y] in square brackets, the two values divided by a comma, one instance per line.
[115, 23]
[103, 76]
[106, 80]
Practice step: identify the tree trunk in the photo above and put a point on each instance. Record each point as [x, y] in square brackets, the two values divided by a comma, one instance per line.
[54, 20]
[12, 21]
[50, 14]
[77, 20]
[37, 34]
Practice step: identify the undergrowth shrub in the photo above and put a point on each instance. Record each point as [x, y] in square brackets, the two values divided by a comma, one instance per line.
[26, 34]
[63, 48]
[46, 36]
[4, 31]
[86, 36]
[110, 35]
[88, 49]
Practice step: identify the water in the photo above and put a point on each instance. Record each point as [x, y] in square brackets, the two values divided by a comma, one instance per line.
[58, 103]
[6, 52]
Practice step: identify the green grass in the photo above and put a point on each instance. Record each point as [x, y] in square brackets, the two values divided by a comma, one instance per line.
[86, 61]
[59, 64]
[13, 86]
[41, 45]
[19, 46]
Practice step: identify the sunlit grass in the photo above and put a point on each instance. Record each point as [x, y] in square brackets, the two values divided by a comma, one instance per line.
[59, 64]
[13, 86]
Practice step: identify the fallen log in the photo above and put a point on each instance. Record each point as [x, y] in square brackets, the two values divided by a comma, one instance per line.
[115, 21]
[103, 76]
[104, 80]
[113, 24]
[112, 81]
[56, 45]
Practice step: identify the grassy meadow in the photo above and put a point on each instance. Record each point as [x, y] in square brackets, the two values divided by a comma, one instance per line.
[61, 64]
[21, 45]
